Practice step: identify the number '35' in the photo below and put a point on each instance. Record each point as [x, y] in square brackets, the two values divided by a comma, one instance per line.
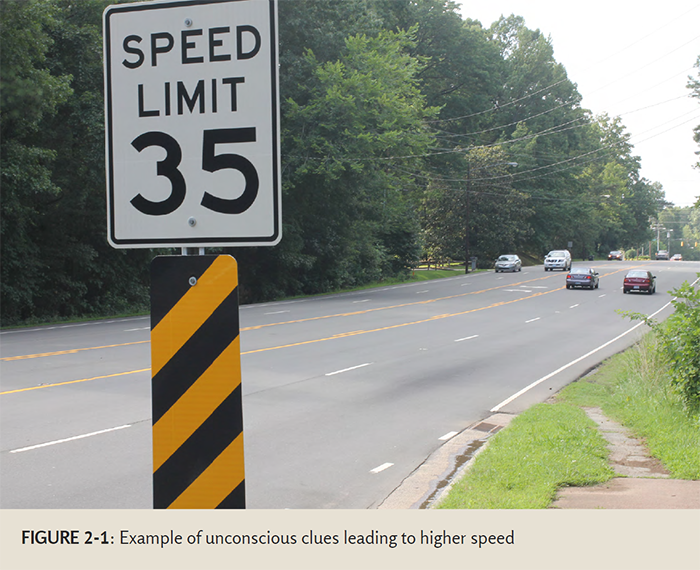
[211, 162]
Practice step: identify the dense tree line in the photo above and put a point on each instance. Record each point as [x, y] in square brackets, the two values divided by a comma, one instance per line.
[407, 132]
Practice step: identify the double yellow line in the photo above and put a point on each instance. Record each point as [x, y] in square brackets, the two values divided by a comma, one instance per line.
[313, 341]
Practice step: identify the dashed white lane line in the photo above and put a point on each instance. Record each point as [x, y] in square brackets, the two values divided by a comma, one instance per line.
[139, 329]
[533, 320]
[276, 312]
[381, 468]
[577, 360]
[348, 369]
[69, 439]
[363, 301]
[448, 436]
[466, 338]
[603, 295]
[419, 292]
[574, 306]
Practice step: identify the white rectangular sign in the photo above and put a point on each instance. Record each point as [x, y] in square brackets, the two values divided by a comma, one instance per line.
[192, 124]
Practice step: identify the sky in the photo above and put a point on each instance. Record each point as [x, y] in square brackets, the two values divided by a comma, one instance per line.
[629, 59]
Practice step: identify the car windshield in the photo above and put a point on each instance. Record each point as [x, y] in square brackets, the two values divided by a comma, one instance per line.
[614, 253]
[507, 258]
[556, 254]
[637, 274]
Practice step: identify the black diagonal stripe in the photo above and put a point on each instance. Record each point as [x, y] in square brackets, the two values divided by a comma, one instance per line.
[195, 356]
[235, 499]
[197, 453]
[170, 276]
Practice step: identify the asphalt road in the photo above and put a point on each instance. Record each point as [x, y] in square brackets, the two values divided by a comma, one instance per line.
[343, 395]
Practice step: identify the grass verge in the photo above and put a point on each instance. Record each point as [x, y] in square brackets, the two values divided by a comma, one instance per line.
[555, 444]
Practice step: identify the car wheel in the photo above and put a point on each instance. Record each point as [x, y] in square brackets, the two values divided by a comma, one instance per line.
[625, 291]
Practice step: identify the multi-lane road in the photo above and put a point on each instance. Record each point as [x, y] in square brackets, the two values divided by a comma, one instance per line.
[343, 395]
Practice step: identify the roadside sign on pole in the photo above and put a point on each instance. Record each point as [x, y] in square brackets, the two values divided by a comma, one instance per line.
[192, 124]
[198, 458]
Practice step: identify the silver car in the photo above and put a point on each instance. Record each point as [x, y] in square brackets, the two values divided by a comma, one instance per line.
[508, 263]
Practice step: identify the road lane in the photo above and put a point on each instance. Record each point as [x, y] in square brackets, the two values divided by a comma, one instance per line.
[399, 382]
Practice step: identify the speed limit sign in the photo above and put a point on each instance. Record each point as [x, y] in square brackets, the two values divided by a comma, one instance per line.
[192, 124]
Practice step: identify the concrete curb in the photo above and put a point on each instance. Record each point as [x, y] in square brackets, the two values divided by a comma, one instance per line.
[435, 476]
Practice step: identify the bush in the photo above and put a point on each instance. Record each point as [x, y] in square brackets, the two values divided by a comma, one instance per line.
[679, 338]
[631, 254]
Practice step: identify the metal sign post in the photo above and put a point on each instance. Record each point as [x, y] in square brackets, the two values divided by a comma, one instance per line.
[192, 158]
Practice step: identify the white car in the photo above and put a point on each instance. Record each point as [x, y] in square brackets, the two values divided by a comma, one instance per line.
[557, 259]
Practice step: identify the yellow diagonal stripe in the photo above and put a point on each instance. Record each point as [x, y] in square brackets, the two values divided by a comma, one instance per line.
[197, 404]
[190, 313]
[216, 483]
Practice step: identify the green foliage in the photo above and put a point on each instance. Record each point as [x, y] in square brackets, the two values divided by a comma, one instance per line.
[396, 116]
[544, 448]
[679, 340]
[634, 389]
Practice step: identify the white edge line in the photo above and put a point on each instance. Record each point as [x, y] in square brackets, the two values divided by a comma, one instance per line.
[466, 338]
[68, 439]
[579, 359]
[348, 369]
[574, 306]
[533, 320]
[381, 468]
[448, 436]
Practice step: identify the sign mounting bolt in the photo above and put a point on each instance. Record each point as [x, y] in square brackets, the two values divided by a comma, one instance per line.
[192, 281]
[188, 22]
[192, 222]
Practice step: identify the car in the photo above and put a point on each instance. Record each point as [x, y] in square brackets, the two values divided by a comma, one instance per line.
[557, 259]
[583, 277]
[639, 280]
[677, 257]
[662, 254]
[619, 255]
[508, 263]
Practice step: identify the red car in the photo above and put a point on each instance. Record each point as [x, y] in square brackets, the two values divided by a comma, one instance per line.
[639, 280]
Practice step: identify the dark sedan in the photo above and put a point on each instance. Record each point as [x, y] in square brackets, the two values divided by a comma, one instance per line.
[582, 277]
[619, 255]
[639, 280]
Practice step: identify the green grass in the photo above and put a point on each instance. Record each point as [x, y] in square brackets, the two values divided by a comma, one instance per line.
[555, 444]
[633, 389]
[545, 447]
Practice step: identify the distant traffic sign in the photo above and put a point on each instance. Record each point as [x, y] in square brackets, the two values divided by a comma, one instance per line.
[192, 123]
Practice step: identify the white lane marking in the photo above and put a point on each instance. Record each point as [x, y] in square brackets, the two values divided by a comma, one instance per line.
[363, 301]
[139, 329]
[574, 306]
[518, 290]
[276, 312]
[579, 359]
[533, 320]
[69, 439]
[465, 284]
[381, 468]
[536, 286]
[603, 295]
[348, 369]
[467, 338]
[419, 292]
[448, 436]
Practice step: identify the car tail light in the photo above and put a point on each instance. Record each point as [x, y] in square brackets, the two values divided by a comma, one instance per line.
[588, 276]
[568, 276]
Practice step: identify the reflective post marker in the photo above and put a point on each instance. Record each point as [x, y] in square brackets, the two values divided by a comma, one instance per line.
[196, 383]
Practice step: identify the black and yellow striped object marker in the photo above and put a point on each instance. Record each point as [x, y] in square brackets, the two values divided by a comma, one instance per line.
[196, 383]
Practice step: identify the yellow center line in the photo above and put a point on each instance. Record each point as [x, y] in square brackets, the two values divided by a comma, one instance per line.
[428, 320]
[69, 351]
[74, 381]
